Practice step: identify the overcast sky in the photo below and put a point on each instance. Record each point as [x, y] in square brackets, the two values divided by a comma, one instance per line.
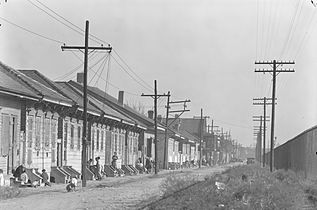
[200, 50]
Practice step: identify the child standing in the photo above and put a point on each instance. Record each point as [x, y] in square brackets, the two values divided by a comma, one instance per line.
[45, 178]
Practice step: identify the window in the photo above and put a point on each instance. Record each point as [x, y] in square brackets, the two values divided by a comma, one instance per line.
[97, 141]
[53, 133]
[79, 137]
[65, 134]
[93, 139]
[38, 133]
[116, 142]
[30, 131]
[101, 140]
[72, 136]
[46, 133]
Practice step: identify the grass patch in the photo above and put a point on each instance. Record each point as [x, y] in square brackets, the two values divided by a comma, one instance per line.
[9, 192]
[246, 187]
[176, 182]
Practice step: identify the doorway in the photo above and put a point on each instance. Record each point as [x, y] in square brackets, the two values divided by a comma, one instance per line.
[59, 154]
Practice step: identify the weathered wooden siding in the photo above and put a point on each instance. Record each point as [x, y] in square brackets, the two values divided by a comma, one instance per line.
[298, 154]
[10, 147]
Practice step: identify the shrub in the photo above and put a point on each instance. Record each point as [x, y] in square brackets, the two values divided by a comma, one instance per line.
[246, 187]
[176, 182]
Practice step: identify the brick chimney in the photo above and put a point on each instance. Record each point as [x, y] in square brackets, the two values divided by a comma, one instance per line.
[121, 97]
[80, 77]
[150, 114]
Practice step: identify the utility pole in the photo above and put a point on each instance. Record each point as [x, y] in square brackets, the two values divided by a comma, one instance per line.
[259, 131]
[263, 101]
[259, 141]
[155, 97]
[84, 140]
[201, 136]
[212, 143]
[275, 64]
[201, 128]
[165, 164]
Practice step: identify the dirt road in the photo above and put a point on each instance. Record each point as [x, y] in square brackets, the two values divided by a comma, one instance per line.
[111, 193]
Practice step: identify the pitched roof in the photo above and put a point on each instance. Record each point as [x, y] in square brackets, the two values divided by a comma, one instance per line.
[39, 85]
[114, 104]
[76, 96]
[9, 83]
[92, 104]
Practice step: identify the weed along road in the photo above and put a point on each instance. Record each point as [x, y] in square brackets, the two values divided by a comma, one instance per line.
[129, 192]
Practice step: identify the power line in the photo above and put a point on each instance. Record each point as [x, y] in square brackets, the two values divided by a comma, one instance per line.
[101, 41]
[81, 31]
[104, 64]
[32, 32]
[294, 17]
[135, 94]
[131, 68]
[129, 73]
[306, 36]
[107, 76]
[100, 67]
[68, 73]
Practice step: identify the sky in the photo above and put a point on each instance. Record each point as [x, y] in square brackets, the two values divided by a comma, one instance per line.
[200, 50]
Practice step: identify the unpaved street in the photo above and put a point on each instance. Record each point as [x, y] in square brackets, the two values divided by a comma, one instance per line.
[111, 193]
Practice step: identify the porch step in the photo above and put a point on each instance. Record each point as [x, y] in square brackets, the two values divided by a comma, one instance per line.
[58, 176]
[136, 171]
[89, 174]
[110, 171]
[72, 171]
[33, 175]
[127, 170]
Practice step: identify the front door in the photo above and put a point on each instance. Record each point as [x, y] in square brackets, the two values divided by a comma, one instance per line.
[11, 129]
[59, 153]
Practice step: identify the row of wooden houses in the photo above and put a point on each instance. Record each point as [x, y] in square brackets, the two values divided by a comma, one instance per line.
[41, 124]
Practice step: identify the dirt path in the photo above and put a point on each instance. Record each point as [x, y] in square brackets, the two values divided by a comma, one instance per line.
[110, 193]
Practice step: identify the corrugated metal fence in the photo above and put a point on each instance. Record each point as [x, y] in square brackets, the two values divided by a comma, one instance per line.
[298, 154]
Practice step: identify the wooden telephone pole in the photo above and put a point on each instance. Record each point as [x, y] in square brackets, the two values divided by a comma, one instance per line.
[155, 97]
[275, 64]
[84, 139]
[263, 101]
[165, 162]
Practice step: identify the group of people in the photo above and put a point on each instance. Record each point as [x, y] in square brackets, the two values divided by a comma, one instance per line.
[20, 174]
[149, 164]
[97, 169]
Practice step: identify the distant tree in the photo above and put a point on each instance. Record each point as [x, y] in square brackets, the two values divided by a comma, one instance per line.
[137, 106]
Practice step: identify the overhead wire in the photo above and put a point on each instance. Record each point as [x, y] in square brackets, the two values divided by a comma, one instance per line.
[73, 70]
[295, 29]
[81, 31]
[150, 86]
[268, 28]
[100, 67]
[124, 69]
[108, 75]
[257, 30]
[72, 26]
[96, 38]
[96, 83]
[306, 35]
[32, 32]
[291, 28]
[272, 27]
